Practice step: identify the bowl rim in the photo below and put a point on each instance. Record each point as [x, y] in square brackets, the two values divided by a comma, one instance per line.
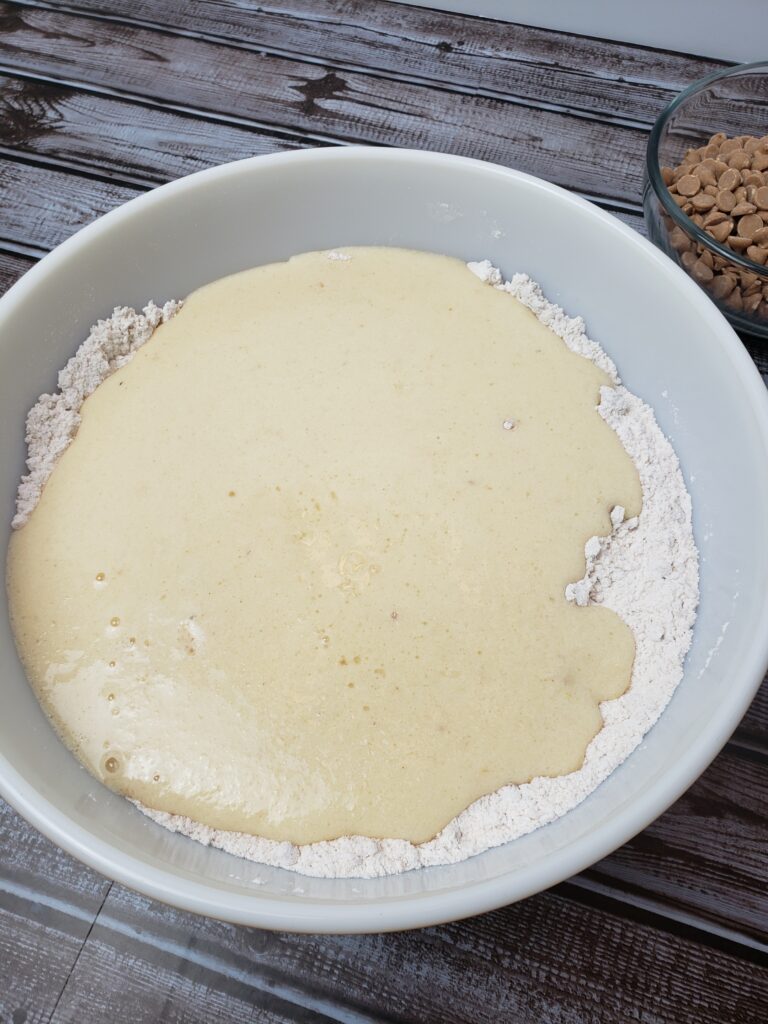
[653, 170]
[315, 915]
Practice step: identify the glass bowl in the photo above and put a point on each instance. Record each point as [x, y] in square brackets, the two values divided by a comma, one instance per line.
[734, 102]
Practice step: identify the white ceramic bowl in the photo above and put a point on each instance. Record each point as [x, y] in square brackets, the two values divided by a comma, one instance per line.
[672, 347]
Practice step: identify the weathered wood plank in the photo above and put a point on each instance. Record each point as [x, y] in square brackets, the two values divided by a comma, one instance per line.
[47, 905]
[42, 207]
[546, 959]
[602, 78]
[12, 267]
[308, 98]
[177, 975]
[127, 141]
[35, 961]
[707, 857]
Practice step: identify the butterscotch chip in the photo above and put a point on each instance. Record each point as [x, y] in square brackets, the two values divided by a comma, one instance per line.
[679, 240]
[688, 185]
[701, 272]
[723, 285]
[751, 178]
[747, 278]
[749, 226]
[720, 232]
[702, 202]
[706, 175]
[722, 187]
[743, 208]
[728, 180]
[739, 159]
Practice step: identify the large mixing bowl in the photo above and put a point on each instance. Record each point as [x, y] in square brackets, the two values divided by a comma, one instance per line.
[672, 347]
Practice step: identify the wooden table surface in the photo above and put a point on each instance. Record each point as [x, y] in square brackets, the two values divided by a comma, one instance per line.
[103, 99]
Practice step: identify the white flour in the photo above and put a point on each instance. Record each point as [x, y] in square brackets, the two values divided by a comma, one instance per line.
[53, 420]
[646, 571]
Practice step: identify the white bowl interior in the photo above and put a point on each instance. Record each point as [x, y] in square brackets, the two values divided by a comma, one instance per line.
[672, 347]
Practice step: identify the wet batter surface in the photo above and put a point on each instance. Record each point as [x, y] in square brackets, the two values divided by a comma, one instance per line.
[301, 574]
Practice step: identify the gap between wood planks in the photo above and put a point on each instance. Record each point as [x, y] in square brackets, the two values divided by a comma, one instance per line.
[591, 891]
[80, 951]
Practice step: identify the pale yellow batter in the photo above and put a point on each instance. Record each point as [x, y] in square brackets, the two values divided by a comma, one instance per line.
[295, 578]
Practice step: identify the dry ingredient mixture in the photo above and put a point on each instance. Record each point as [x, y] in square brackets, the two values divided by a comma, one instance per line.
[723, 187]
[53, 420]
[646, 571]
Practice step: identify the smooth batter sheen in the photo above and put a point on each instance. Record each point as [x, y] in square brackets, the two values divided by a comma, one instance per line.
[295, 578]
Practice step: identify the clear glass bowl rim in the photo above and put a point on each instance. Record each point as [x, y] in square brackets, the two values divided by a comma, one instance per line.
[653, 167]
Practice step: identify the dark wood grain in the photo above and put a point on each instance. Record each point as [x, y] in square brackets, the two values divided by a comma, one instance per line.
[546, 959]
[126, 141]
[603, 79]
[311, 99]
[12, 266]
[42, 207]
